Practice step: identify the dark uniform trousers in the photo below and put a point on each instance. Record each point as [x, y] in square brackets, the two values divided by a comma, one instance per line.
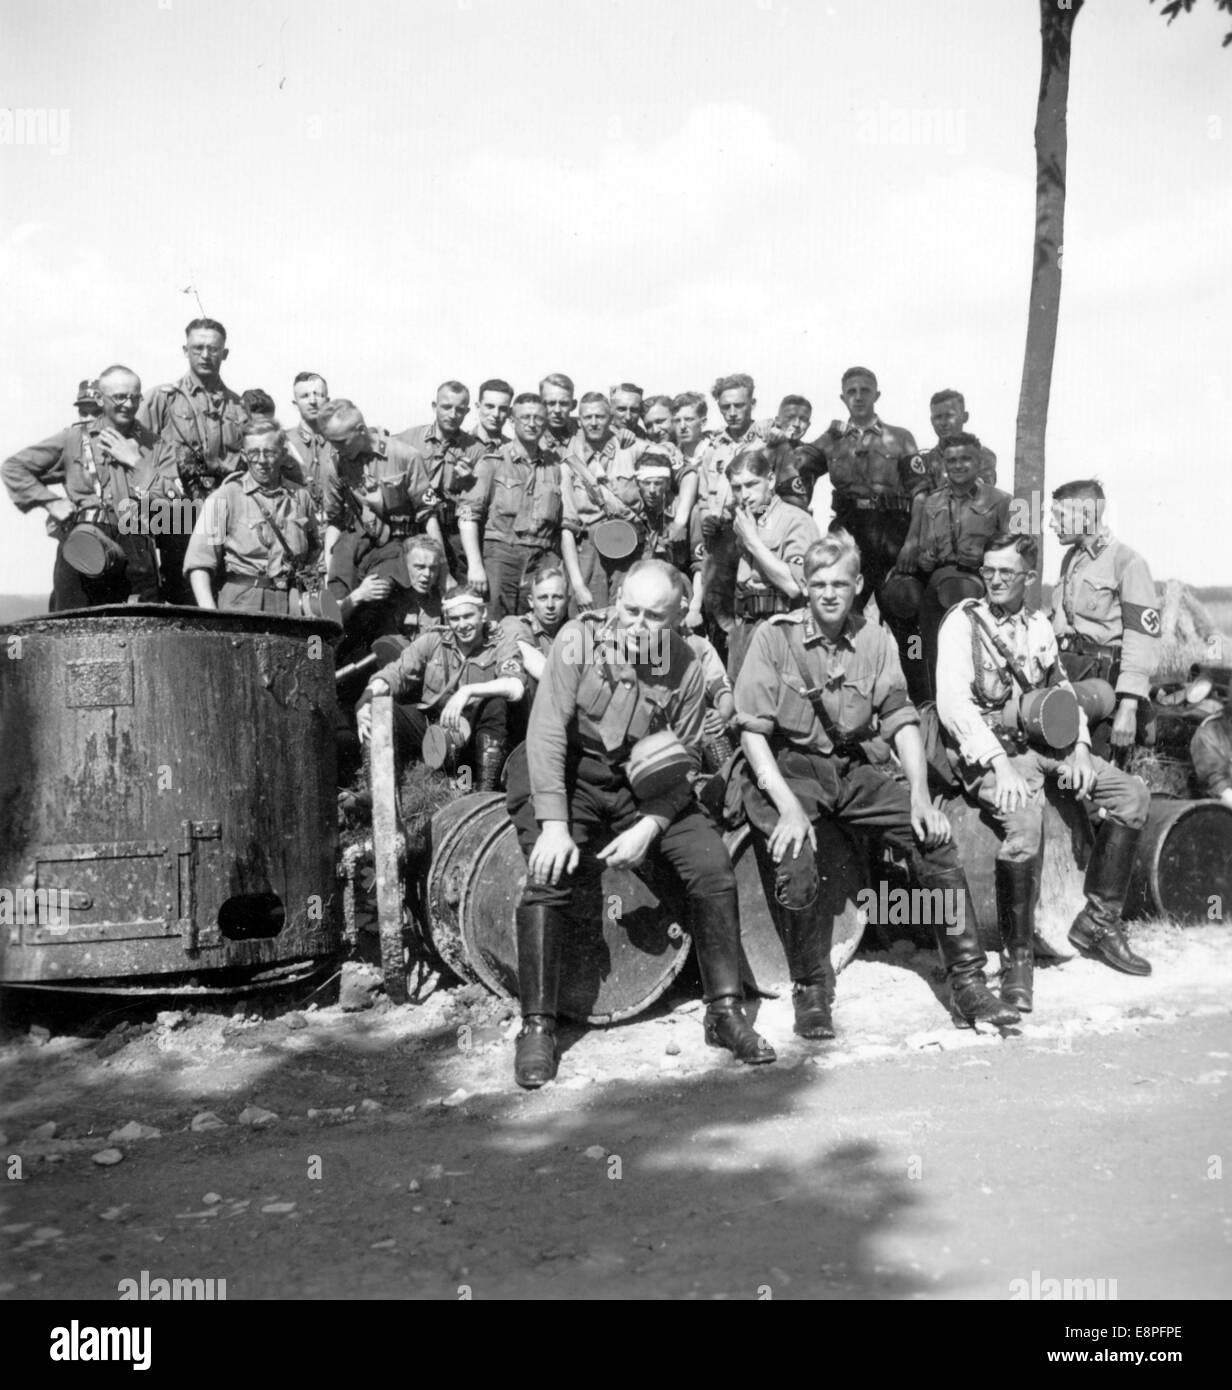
[509, 568]
[411, 722]
[880, 535]
[601, 806]
[864, 798]
[139, 577]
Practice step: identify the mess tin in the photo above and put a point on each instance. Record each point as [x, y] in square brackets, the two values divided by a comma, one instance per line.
[1048, 717]
[657, 764]
[615, 539]
[950, 585]
[441, 746]
[92, 552]
[900, 596]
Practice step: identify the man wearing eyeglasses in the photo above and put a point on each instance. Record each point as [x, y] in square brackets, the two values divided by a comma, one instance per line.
[199, 423]
[255, 536]
[105, 466]
[983, 643]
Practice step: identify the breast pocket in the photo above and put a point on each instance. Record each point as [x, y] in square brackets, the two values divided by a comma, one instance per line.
[650, 716]
[506, 497]
[855, 704]
[594, 695]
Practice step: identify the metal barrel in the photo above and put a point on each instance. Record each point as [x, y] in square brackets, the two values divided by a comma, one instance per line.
[167, 799]
[1067, 848]
[625, 947]
[843, 873]
[1183, 868]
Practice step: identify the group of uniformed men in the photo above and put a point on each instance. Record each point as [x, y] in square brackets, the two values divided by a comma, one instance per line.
[670, 545]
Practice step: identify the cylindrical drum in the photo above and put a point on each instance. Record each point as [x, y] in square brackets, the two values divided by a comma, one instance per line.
[1067, 848]
[167, 798]
[623, 950]
[843, 873]
[1183, 869]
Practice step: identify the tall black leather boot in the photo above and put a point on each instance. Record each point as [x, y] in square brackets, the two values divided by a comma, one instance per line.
[962, 955]
[1016, 919]
[715, 924]
[490, 755]
[812, 976]
[1097, 930]
[541, 939]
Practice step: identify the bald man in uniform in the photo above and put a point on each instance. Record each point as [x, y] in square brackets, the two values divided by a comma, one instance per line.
[579, 804]
[106, 466]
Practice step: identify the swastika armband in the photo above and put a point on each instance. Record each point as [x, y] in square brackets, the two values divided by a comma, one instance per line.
[1138, 619]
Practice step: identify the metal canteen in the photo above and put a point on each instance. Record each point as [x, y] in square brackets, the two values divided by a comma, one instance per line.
[615, 539]
[92, 552]
[1049, 717]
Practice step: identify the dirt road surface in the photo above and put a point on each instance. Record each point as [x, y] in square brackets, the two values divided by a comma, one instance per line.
[906, 1160]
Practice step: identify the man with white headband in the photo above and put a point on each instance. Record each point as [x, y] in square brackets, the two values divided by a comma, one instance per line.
[448, 677]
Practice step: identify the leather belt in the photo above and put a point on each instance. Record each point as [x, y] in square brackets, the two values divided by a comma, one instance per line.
[761, 605]
[257, 581]
[1085, 646]
[874, 504]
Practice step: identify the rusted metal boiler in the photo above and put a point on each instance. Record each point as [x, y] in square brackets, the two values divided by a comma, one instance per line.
[168, 811]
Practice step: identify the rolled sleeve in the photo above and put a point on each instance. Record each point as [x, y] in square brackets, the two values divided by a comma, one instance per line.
[1141, 626]
[27, 473]
[208, 541]
[757, 685]
[405, 675]
[547, 735]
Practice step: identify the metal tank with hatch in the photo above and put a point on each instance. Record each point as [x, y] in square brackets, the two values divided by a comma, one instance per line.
[167, 800]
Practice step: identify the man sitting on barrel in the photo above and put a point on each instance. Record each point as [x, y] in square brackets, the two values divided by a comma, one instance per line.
[817, 688]
[449, 699]
[1010, 719]
[612, 746]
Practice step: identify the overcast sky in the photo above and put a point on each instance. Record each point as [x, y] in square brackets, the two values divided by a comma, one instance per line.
[398, 193]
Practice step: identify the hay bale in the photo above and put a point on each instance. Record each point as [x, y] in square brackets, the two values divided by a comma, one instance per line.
[1187, 631]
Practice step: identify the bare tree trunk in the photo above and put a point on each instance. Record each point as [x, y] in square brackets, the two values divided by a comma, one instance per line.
[1056, 28]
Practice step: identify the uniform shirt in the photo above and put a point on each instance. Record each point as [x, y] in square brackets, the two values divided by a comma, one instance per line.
[878, 461]
[588, 698]
[509, 632]
[76, 459]
[863, 690]
[451, 465]
[955, 528]
[657, 541]
[788, 532]
[488, 443]
[516, 498]
[986, 471]
[1210, 751]
[313, 456]
[385, 460]
[432, 668]
[232, 531]
[610, 463]
[974, 682]
[1106, 594]
[551, 443]
[714, 673]
[183, 414]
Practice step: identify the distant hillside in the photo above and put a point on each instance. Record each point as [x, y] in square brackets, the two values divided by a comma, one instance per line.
[15, 606]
